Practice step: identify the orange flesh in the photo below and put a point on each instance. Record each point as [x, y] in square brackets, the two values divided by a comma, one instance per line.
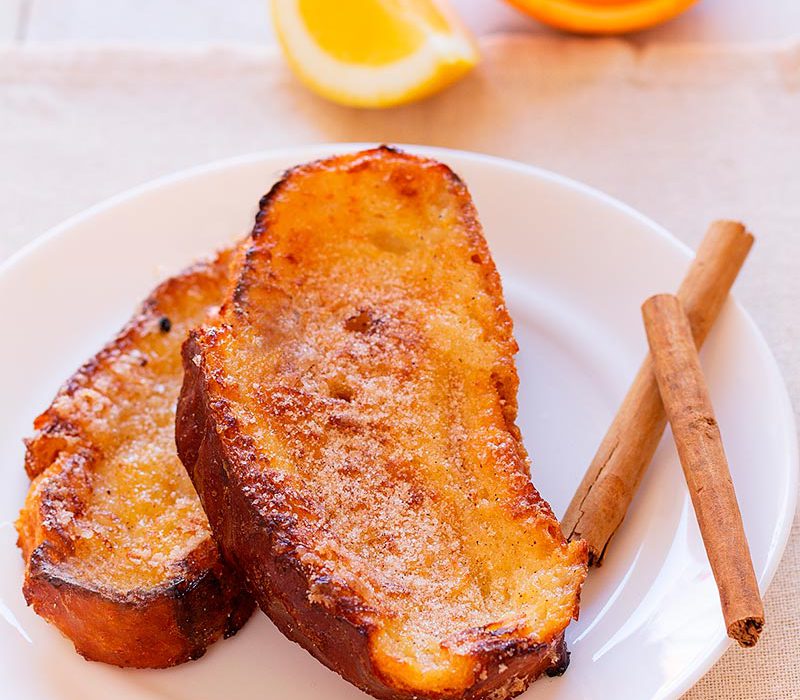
[380, 388]
[370, 32]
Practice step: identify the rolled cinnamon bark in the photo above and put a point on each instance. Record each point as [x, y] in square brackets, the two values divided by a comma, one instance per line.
[690, 413]
[605, 493]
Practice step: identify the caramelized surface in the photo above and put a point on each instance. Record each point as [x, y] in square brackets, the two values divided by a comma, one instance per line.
[366, 362]
[111, 509]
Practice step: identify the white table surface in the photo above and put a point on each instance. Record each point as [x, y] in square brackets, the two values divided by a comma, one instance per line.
[221, 21]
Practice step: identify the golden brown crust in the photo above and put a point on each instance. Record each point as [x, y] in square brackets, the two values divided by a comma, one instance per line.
[348, 423]
[336, 634]
[118, 554]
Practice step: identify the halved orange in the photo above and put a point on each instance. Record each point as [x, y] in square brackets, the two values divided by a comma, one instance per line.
[602, 16]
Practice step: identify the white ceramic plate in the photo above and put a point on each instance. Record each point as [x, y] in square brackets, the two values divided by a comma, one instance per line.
[575, 265]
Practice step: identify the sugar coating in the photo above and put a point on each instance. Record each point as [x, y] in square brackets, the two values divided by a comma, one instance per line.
[367, 364]
[113, 498]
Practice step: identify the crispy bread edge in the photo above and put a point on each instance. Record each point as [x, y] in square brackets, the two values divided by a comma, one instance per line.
[336, 632]
[156, 627]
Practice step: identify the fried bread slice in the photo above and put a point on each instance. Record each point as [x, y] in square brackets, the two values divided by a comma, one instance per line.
[348, 422]
[118, 552]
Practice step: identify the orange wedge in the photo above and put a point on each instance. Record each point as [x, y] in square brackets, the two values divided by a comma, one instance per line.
[373, 53]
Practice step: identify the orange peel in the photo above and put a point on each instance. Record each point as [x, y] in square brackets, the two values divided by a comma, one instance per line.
[602, 16]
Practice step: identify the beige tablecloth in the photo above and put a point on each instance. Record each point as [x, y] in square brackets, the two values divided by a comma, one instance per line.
[685, 134]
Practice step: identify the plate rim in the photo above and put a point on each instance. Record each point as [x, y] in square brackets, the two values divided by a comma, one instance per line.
[304, 152]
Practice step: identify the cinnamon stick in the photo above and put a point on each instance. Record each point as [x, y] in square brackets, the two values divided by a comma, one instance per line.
[696, 433]
[602, 499]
